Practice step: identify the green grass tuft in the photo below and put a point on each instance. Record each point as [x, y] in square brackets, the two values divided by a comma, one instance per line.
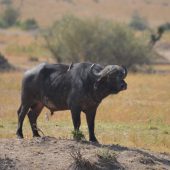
[78, 135]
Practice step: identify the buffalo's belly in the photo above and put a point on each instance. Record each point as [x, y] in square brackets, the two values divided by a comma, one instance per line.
[55, 106]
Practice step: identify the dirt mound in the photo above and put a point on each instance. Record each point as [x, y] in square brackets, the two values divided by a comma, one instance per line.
[51, 153]
[4, 64]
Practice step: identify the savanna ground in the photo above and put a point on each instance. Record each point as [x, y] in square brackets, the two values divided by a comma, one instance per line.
[136, 118]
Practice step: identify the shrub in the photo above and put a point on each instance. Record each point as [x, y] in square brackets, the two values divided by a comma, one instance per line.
[80, 162]
[29, 24]
[164, 27]
[138, 23]
[72, 39]
[9, 17]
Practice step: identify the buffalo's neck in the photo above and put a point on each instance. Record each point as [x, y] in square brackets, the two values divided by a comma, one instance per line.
[99, 95]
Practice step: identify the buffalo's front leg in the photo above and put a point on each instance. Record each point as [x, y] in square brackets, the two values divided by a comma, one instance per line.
[75, 113]
[90, 117]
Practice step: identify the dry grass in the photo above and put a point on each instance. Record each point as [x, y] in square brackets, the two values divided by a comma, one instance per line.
[136, 117]
[46, 12]
[161, 67]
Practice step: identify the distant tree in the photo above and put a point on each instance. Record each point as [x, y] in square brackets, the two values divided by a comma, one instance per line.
[139, 23]
[158, 35]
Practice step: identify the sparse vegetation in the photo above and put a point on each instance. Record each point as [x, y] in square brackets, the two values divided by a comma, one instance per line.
[78, 135]
[105, 160]
[106, 154]
[80, 162]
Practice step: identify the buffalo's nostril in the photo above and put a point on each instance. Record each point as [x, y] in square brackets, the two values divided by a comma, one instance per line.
[123, 86]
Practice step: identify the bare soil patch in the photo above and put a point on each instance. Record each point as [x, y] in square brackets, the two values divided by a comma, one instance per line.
[51, 153]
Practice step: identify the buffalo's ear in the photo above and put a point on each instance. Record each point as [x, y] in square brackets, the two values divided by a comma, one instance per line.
[99, 81]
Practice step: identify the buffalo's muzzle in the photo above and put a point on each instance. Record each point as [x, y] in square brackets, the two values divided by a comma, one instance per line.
[123, 86]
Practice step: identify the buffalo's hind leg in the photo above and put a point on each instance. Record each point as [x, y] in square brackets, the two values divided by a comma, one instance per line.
[22, 111]
[33, 115]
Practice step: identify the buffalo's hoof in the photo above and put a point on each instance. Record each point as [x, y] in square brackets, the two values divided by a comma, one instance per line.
[20, 136]
[94, 140]
[36, 136]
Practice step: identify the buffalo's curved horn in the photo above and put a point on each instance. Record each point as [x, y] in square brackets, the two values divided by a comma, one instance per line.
[108, 69]
[105, 71]
[124, 71]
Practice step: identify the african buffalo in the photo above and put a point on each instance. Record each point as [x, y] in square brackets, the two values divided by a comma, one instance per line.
[76, 87]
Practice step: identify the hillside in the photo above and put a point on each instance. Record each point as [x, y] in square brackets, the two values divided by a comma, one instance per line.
[46, 12]
[51, 153]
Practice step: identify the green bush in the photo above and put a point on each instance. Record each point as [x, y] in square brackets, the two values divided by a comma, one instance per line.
[29, 24]
[72, 39]
[138, 23]
[9, 17]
